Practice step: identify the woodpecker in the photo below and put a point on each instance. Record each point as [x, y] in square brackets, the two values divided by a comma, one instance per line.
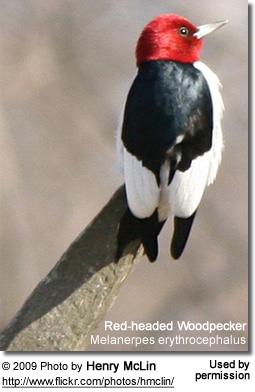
[170, 137]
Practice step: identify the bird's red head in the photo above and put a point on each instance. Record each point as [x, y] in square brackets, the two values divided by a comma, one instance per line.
[169, 37]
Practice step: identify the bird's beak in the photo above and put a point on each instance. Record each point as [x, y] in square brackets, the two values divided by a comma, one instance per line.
[208, 28]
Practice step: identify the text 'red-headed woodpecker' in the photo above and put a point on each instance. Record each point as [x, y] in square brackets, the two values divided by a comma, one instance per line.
[170, 137]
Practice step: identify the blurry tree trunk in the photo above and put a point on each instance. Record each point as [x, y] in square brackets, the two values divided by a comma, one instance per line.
[67, 305]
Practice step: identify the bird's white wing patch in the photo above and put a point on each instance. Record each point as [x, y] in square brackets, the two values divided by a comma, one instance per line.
[187, 188]
[141, 187]
[218, 108]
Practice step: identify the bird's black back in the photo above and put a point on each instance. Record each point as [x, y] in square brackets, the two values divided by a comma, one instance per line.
[167, 99]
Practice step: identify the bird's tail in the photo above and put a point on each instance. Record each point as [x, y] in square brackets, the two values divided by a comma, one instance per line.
[182, 227]
[149, 231]
[145, 231]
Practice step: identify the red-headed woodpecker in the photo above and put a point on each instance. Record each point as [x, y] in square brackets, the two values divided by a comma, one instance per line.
[170, 136]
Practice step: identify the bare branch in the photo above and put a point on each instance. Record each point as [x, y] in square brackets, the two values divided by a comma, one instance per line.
[73, 298]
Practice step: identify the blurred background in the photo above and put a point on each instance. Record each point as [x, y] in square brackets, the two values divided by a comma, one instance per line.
[65, 69]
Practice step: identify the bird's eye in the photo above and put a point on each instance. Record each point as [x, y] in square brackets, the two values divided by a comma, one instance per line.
[184, 32]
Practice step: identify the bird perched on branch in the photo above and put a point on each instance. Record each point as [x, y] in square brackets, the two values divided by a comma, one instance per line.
[170, 137]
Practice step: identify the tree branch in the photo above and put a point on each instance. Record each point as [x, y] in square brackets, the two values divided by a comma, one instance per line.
[67, 305]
